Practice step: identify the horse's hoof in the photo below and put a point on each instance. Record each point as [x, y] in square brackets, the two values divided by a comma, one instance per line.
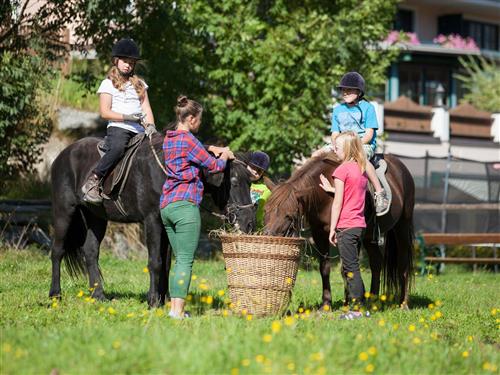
[99, 296]
[404, 306]
[55, 295]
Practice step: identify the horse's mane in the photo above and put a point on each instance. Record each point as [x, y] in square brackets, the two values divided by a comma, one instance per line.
[303, 184]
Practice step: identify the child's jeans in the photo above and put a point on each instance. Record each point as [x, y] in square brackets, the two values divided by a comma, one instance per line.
[349, 245]
[116, 142]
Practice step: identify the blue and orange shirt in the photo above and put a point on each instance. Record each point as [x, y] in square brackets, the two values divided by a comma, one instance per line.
[184, 157]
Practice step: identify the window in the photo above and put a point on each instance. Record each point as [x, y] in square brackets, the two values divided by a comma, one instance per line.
[404, 20]
[410, 81]
[484, 34]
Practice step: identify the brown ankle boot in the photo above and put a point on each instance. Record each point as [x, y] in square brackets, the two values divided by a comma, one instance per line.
[90, 190]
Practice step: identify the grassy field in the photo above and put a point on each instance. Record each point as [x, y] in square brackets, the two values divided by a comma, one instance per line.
[452, 327]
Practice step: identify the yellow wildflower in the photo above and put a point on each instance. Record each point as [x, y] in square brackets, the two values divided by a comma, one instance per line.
[249, 317]
[469, 338]
[220, 293]
[289, 320]
[381, 322]
[493, 312]
[289, 280]
[438, 314]
[235, 371]
[383, 297]
[245, 362]
[417, 341]
[372, 350]
[438, 303]
[116, 344]
[145, 270]
[209, 300]
[363, 356]
[370, 368]
[194, 277]
[465, 354]
[130, 315]
[350, 275]
[326, 307]
[267, 338]
[291, 366]
[259, 358]
[276, 326]
[111, 311]
[431, 306]
[412, 328]
[80, 294]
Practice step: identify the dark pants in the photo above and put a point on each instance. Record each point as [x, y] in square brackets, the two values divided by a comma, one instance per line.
[116, 142]
[349, 245]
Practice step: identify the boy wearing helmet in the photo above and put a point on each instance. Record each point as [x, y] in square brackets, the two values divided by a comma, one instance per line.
[123, 101]
[358, 115]
[259, 192]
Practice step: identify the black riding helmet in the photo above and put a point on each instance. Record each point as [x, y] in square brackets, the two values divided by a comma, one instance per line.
[353, 80]
[126, 47]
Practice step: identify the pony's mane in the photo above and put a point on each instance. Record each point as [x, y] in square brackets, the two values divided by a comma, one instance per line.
[303, 183]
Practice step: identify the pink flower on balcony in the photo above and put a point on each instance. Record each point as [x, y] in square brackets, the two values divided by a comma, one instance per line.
[402, 37]
[456, 41]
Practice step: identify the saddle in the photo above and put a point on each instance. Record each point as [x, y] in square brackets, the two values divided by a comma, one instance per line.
[114, 182]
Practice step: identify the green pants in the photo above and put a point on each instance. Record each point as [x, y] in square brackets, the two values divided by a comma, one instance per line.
[182, 222]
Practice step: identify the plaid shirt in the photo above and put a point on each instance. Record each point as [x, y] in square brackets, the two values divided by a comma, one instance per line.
[184, 157]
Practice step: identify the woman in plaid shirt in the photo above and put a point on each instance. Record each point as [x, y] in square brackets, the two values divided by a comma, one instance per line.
[182, 194]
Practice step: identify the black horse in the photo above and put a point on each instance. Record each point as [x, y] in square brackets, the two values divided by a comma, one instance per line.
[79, 227]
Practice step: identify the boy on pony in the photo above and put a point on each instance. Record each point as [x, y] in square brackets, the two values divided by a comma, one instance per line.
[357, 115]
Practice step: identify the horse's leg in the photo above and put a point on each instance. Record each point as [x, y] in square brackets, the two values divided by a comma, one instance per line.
[62, 220]
[375, 259]
[166, 255]
[96, 229]
[154, 232]
[321, 241]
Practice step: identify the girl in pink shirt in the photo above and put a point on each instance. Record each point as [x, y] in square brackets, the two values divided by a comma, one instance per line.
[347, 222]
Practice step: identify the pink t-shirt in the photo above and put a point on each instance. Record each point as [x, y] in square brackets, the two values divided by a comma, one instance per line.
[353, 205]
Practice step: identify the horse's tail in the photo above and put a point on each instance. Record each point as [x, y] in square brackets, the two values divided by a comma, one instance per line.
[398, 259]
[74, 257]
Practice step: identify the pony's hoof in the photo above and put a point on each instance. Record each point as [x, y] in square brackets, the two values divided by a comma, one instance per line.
[404, 306]
[99, 296]
[55, 295]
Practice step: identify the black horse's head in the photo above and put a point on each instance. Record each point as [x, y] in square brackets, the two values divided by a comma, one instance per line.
[230, 191]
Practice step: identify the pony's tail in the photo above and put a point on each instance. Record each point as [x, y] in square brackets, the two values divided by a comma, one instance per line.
[398, 260]
[74, 258]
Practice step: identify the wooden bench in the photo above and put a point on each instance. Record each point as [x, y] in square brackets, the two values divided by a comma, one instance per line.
[471, 239]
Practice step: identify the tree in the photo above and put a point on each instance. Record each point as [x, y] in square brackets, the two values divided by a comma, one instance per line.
[30, 44]
[482, 82]
[264, 69]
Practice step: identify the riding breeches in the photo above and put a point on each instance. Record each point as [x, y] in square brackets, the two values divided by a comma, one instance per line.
[117, 140]
[183, 224]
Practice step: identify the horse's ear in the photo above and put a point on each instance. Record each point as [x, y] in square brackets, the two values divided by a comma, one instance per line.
[269, 183]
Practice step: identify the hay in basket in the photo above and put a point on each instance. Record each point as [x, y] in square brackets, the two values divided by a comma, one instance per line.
[261, 271]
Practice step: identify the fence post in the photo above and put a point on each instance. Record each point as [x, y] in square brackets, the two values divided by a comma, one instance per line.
[442, 248]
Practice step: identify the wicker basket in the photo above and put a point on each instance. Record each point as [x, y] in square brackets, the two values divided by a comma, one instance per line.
[261, 272]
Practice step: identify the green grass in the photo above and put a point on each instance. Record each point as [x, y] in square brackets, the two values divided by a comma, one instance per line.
[77, 335]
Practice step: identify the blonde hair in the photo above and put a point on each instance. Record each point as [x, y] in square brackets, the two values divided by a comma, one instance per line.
[353, 149]
[119, 80]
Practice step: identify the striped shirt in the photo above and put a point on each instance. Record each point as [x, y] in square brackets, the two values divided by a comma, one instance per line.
[184, 157]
